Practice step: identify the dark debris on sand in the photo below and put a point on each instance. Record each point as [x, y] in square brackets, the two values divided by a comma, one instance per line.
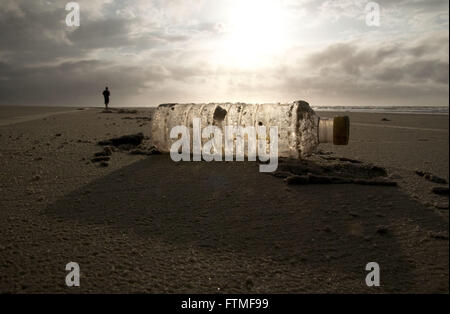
[107, 151]
[383, 230]
[137, 118]
[103, 157]
[132, 143]
[127, 111]
[125, 142]
[438, 235]
[326, 169]
[120, 111]
[100, 159]
[440, 190]
[147, 152]
[431, 177]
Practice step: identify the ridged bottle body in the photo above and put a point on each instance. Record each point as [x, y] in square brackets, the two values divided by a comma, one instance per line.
[297, 123]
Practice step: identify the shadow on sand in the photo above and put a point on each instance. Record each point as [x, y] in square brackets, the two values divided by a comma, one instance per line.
[313, 231]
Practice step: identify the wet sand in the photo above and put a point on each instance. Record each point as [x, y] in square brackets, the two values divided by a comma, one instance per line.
[146, 224]
[13, 115]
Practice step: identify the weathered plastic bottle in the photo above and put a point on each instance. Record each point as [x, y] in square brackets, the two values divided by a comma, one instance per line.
[300, 130]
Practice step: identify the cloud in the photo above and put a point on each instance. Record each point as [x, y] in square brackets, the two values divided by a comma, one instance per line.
[75, 83]
[149, 52]
[403, 72]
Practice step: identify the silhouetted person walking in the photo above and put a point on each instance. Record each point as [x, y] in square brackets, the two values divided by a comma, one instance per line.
[106, 94]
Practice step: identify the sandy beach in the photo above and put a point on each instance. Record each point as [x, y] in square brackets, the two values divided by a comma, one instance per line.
[137, 222]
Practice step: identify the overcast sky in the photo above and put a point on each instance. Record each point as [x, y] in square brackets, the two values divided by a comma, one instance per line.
[157, 51]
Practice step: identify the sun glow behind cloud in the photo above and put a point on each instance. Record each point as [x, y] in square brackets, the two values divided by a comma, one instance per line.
[254, 33]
